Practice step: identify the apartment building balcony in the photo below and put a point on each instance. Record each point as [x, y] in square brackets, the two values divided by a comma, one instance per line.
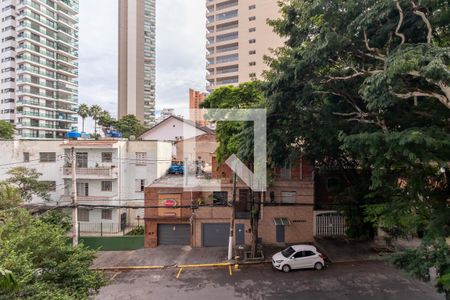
[92, 173]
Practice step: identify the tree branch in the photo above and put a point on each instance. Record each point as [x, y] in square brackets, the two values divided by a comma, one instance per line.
[443, 99]
[424, 18]
[357, 74]
[374, 50]
[400, 23]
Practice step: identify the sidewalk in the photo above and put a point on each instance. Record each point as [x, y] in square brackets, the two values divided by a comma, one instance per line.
[160, 256]
[340, 250]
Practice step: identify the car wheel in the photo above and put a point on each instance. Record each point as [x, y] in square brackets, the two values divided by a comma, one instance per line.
[318, 266]
[286, 268]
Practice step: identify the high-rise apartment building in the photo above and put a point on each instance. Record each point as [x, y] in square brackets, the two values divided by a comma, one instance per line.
[195, 99]
[137, 59]
[39, 69]
[238, 38]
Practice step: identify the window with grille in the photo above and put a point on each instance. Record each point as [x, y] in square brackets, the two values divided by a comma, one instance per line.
[106, 157]
[106, 214]
[26, 157]
[286, 173]
[288, 197]
[141, 158]
[140, 185]
[82, 189]
[51, 185]
[47, 157]
[106, 186]
[83, 215]
[82, 160]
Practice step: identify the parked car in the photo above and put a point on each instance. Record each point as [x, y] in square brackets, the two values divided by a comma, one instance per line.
[298, 257]
[176, 168]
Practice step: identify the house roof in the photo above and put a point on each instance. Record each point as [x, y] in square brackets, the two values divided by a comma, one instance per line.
[186, 121]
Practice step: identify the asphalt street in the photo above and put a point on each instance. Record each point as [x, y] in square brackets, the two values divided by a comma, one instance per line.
[352, 281]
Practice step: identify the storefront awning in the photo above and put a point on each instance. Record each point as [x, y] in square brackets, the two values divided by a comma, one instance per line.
[281, 221]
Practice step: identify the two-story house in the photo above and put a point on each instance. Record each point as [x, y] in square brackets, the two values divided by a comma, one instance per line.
[199, 215]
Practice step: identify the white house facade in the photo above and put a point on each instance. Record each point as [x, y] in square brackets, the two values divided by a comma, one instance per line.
[109, 173]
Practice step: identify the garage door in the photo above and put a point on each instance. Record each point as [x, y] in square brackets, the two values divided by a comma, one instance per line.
[215, 235]
[174, 234]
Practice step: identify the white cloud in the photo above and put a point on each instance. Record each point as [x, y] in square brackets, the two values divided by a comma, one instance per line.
[180, 42]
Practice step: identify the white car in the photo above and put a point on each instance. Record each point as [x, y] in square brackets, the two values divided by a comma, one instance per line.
[298, 257]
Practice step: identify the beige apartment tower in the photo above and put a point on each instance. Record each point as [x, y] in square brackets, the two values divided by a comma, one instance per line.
[238, 38]
[137, 60]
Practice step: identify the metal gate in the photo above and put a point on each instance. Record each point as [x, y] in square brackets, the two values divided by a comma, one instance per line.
[330, 224]
[174, 234]
[215, 235]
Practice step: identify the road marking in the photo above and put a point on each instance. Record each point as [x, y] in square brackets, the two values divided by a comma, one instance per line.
[229, 268]
[114, 276]
[179, 272]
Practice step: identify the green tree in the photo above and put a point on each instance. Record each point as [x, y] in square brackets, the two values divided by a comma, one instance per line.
[6, 130]
[44, 264]
[83, 112]
[106, 121]
[95, 112]
[365, 85]
[28, 184]
[10, 196]
[129, 125]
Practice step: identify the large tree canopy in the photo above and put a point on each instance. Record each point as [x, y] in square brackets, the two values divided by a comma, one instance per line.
[364, 85]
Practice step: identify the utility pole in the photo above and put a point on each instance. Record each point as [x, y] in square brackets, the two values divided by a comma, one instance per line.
[233, 211]
[74, 200]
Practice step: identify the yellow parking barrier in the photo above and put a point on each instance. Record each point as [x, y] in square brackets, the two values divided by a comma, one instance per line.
[179, 272]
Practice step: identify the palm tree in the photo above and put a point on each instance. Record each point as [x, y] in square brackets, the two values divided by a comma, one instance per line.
[95, 112]
[83, 112]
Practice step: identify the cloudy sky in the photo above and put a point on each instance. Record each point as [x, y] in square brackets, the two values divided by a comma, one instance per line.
[180, 52]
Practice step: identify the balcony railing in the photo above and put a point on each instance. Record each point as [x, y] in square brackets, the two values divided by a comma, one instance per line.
[98, 171]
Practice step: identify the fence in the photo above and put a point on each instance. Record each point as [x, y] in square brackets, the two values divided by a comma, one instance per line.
[101, 228]
[330, 224]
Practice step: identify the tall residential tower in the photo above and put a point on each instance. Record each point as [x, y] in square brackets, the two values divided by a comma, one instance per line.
[238, 38]
[39, 69]
[137, 60]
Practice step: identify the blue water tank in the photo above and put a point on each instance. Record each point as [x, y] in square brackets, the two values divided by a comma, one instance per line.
[73, 135]
[116, 134]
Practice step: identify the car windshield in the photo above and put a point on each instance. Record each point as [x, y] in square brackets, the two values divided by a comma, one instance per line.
[288, 252]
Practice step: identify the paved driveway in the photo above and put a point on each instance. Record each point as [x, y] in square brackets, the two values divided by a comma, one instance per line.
[364, 280]
[160, 256]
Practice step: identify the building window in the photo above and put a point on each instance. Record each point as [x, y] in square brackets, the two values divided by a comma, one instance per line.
[252, 41]
[83, 215]
[106, 214]
[26, 157]
[82, 189]
[252, 29]
[51, 185]
[252, 18]
[288, 197]
[252, 63]
[252, 52]
[220, 198]
[141, 158]
[251, 7]
[252, 75]
[45, 157]
[140, 185]
[106, 186]
[82, 160]
[286, 173]
[106, 157]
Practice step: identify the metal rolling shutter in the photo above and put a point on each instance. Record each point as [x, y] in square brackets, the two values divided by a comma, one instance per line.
[174, 234]
[215, 235]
